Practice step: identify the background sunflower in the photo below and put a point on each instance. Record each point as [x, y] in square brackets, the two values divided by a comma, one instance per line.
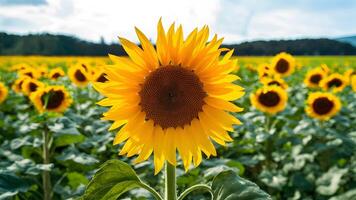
[283, 64]
[3, 92]
[322, 106]
[313, 77]
[335, 82]
[269, 99]
[51, 98]
[79, 75]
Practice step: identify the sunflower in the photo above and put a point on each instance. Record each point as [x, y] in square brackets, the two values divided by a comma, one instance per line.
[42, 70]
[313, 77]
[348, 74]
[336, 82]
[325, 68]
[17, 86]
[269, 99]
[322, 105]
[30, 72]
[100, 76]
[283, 64]
[78, 75]
[3, 92]
[172, 97]
[276, 80]
[51, 98]
[55, 73]
[20, 66]
[31, 85]
[264, 70]
[353, 82]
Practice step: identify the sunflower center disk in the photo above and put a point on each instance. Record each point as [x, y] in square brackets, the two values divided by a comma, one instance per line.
[33, 87]
[102, 78]
[56, 75]
[55, 99]
[274, 83]
[322, 106]
[315, 78]
[334, 83]
[79, 76]
[172, 96]
[269, 99]
[282, 66]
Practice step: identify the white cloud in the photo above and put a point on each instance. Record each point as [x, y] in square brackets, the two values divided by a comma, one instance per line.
[236, 20]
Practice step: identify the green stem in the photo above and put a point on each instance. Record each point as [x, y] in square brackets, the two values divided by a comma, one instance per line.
[193, 188]
[46, 178]
[170, 182]
[152, 191]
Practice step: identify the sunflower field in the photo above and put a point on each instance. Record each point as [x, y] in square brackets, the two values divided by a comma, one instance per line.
[290, 134]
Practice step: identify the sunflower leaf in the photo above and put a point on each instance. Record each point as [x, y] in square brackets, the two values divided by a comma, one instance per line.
[227, 185]
[113, 179]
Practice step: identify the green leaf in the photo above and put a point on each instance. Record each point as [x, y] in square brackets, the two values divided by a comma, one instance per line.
[112, 180]
[67, 139]
[75, 179]
[11, 184]
[229, 186]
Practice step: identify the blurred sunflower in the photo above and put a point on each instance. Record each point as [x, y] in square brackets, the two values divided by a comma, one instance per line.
[78, 75]
[100, 76]
[269, 99]
[276, 80]
[174, 97]
[30, 72]
[17, 86]
[51, 98]
[31, 85]
[322, 105]
[42, 70]
[55, 73]
[325, 68]
[283, 64]
[335, 82]
[353, 82]
[264, 70]
[348, 74]
[20, 66]
[3, 92]
[313, 77]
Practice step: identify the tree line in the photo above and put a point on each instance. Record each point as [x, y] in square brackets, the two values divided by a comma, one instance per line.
[62, 45]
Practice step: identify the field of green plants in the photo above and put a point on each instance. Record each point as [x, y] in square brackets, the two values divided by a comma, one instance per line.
[288, 154]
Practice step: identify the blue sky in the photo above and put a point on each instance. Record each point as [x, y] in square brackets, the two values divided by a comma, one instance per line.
[235, 20]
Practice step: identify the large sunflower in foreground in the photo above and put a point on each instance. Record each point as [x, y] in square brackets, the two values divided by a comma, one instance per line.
[79, 75]
[172, 97]
[322, 105]
[335, 82]
[3, 92]
[313, 77]
[283, 64]
[269, 99]
[51, 98]
[31, 85]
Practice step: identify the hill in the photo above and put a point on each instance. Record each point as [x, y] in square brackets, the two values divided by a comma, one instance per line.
[48, 44]
[351, 40]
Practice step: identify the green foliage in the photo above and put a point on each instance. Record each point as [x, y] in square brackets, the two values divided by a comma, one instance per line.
[228, 186]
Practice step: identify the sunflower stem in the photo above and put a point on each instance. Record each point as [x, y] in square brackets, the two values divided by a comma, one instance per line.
[170, 182]
[46, 178]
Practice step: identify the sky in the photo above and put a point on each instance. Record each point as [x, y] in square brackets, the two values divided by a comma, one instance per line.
[235, 20]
